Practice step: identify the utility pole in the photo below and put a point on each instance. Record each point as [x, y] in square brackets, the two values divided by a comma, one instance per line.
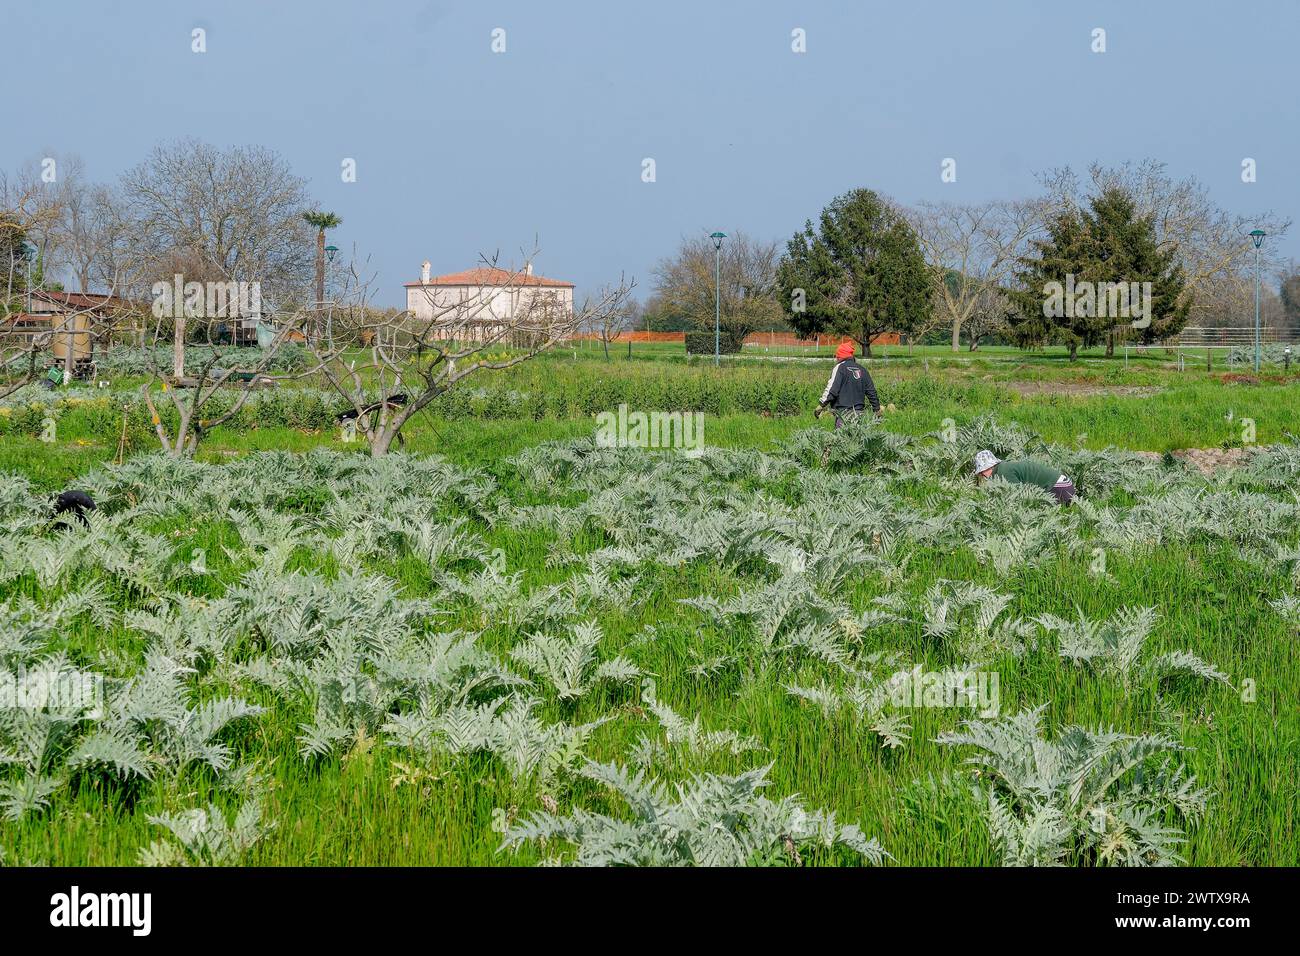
[717, 238]
[1257, 235]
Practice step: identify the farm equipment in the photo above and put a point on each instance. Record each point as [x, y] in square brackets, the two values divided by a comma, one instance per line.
[249, 379]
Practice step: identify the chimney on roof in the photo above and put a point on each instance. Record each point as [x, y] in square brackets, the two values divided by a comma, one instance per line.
[424, 271]
[528, 268]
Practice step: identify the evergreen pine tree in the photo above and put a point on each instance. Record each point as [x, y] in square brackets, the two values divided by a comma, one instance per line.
[1130, 253]
[860, 273]
[1083, 252]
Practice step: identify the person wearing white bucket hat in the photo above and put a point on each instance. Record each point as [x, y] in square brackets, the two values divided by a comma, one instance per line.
[1027, 471]
[985, 461]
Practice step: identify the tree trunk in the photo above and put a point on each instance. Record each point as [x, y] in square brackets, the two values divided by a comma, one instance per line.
[178, 343]
[1110, 345]
[1074, 351]
[956, 336]
[320, 281]
[69, 360]
[380, 443]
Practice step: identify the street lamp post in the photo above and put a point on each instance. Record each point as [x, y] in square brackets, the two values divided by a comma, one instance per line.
[30, 250]
[329, 316]
[717, 238]
[1257, 236]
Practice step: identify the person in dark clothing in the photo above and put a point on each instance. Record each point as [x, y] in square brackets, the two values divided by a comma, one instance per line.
[1026, 471]
[78, 503]
[849, 389]
[392, 401]
[368, 416]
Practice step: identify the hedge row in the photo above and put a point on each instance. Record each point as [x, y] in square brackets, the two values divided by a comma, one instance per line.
[544, 391]
[704, 343]
[130, 360]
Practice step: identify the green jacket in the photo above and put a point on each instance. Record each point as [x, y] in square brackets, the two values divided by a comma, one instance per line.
[1028, 471]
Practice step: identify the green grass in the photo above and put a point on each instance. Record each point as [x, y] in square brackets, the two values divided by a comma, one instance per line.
[351, 810]
[747, 404]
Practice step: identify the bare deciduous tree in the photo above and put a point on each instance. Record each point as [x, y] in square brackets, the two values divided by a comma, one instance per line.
[972, 249]
[237, 210]
[1214, 249]
[95, 240]
[208, 322]
[30, 213]
[55, 184]
[746, 270]
[988, 317]
[408, 359]
[609, 324]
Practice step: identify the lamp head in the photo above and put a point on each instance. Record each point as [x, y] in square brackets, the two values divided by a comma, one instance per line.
[1257, 236]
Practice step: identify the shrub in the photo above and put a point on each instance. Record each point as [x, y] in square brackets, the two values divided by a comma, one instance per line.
[703, 343]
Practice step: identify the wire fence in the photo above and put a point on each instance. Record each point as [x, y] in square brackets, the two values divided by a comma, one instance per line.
[1200, 336]
[1234, 346]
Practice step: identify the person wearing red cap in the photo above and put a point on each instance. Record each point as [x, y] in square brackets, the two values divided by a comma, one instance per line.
[849, 388]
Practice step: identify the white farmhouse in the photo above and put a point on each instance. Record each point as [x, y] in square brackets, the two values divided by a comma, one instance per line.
[478, 302]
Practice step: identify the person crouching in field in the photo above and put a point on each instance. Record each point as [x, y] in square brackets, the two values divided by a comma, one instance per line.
[849, 389]
[1027, 471]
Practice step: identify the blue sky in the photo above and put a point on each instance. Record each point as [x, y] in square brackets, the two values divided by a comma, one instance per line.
[460, 150]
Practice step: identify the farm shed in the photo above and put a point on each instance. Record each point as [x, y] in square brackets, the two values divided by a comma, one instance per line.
[73, 322]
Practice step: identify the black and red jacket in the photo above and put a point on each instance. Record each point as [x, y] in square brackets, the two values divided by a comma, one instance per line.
[850, 387]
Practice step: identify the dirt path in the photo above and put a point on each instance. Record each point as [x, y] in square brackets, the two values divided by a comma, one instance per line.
[1080, 389]
[1205, 460]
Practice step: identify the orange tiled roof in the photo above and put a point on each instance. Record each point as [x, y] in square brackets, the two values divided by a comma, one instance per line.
[491, 277]
[78, 300]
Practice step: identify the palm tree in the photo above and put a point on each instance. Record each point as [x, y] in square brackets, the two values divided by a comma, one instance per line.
[320, 221]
